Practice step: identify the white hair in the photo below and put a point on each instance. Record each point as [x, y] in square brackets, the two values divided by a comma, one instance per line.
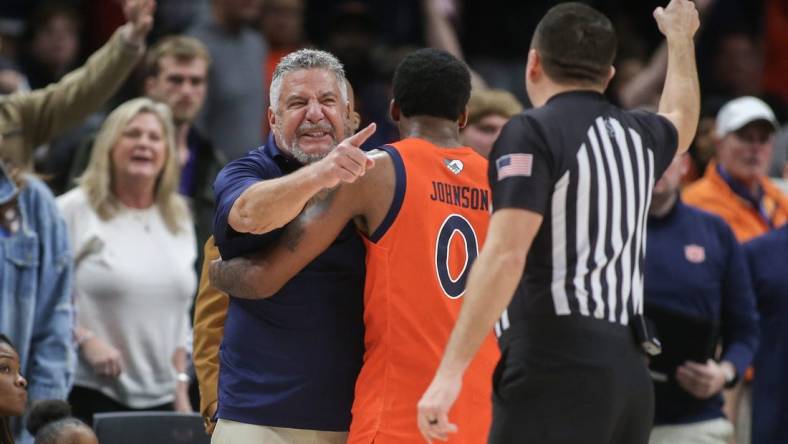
[306, 59]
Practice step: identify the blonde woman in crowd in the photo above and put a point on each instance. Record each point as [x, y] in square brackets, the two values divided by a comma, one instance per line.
[134, 252]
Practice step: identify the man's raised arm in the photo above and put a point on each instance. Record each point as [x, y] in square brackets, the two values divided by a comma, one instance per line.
[680, 101]
[47, 112]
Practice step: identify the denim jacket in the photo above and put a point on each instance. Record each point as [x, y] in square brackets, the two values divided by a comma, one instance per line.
[36, 310]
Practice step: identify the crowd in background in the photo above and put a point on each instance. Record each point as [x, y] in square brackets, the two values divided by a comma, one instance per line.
[739, 52]
[100, 172]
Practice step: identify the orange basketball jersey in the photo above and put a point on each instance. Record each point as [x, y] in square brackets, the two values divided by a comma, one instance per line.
[418, 261]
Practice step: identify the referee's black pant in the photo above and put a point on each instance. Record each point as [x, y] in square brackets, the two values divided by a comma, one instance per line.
[571, 380]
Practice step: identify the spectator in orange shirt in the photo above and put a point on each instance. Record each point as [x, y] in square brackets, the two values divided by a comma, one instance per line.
[736, 186]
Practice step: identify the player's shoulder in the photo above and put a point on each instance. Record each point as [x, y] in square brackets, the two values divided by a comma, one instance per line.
[381, 153]
[385, 158]
[382, 174]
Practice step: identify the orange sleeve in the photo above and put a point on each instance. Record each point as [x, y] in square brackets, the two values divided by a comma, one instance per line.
[210, 312]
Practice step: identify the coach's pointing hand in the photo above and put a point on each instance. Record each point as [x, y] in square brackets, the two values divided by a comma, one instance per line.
[678, 19]
[347, 162]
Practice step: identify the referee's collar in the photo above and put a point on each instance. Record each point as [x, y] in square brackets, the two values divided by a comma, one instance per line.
[578, 93]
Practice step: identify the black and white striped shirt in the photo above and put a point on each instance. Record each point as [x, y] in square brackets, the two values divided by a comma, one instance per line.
[588, 167]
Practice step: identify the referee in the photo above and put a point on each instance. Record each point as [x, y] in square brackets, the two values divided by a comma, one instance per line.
[571, 181]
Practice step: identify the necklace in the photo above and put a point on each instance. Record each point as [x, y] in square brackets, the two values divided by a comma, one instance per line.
[143, 218]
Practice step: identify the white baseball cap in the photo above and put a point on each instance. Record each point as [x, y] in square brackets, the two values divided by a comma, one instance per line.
[737, 113]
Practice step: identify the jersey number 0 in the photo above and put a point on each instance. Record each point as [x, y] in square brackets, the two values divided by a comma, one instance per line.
[454, 224]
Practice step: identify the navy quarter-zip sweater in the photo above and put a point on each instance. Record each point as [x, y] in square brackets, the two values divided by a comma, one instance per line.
[768, 259]
[695, 266]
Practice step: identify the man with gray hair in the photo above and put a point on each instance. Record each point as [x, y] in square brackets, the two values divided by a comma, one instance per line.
[288, 364]
[736, 187]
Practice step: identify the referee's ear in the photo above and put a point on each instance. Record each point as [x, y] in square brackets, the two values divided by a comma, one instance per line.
[610, 76]
[533, 65]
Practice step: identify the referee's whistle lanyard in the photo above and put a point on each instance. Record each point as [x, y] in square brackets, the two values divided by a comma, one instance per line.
[755, 201]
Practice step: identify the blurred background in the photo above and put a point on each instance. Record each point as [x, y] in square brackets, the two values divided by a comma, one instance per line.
[742, 46]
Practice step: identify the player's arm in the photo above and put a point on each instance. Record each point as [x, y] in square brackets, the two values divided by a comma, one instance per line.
[680, 101]
[491, 285]
[270, 204]
[262, 275]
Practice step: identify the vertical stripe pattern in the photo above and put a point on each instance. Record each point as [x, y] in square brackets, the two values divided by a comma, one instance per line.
[560, 300]
[599, 234]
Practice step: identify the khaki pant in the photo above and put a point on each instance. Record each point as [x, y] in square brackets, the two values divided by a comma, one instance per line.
[744, 415]
[715, 431]
[231, 432]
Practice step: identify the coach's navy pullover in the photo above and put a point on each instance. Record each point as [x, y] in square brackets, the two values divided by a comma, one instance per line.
[695, 266]
[768, 258]
[290, 360]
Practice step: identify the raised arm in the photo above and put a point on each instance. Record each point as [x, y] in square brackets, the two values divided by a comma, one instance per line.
[46, 112]
[680, 101]
[440, 34]
[270, 204]
[642, 88]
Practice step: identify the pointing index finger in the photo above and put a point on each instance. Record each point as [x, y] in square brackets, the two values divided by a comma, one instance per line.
[362, 136]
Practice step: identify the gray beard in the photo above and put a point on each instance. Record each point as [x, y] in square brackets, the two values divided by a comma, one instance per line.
[306, 158]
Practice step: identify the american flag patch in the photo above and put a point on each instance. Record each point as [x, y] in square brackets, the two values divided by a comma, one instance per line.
[512, 165]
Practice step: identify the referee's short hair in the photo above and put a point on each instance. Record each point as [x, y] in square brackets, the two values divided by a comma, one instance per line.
[432, 82]
[576, 43]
